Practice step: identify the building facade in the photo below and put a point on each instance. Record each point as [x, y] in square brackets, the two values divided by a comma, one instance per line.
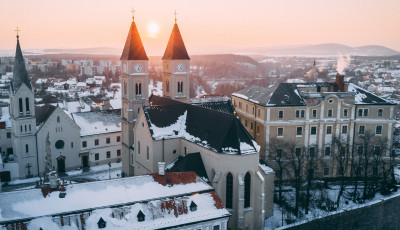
[320, 117]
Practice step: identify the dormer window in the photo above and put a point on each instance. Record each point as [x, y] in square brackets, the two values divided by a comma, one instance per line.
[140, 216]
[193, 206]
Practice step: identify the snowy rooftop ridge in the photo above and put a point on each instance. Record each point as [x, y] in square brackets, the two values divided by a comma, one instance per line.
[97, 122]
[363, 96]
[29, 204]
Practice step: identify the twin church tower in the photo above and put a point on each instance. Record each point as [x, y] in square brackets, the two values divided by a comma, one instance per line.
[135, 77]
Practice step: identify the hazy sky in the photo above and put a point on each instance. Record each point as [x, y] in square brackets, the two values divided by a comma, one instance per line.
[206, 25]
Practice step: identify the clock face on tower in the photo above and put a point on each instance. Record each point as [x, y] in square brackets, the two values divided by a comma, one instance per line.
[138, 68]
[180, 67]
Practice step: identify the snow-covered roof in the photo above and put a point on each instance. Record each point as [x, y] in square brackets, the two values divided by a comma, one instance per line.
[74, 106]
[116, 103]
[98, 122]
[362, 96]
[150, 194]
[218, 131]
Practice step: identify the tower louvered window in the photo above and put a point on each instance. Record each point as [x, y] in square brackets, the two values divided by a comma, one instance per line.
[229, 190]
[247, 188]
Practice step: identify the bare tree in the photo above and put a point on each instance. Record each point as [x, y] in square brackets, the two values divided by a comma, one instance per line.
[341, 157]
[311, 160]
[277, 147]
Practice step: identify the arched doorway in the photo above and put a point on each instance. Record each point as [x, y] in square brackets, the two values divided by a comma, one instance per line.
[61, 164]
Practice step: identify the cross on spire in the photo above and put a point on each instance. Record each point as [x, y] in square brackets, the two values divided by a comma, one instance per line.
[175, 17]
[133, 13]
[17, 30]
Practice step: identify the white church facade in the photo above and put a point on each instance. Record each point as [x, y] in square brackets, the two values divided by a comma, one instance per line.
[206, 139]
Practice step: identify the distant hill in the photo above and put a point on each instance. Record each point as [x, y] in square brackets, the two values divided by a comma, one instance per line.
[330, 49]
[94, 50]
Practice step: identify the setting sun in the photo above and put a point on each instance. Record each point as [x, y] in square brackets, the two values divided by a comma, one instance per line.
[153, 29]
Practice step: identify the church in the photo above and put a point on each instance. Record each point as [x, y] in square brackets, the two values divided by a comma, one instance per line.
[207, 138]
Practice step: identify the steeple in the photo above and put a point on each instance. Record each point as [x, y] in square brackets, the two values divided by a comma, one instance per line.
[20, 75]
[176, 49]
[133, 49]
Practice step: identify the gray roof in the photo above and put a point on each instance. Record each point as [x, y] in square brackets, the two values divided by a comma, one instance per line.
[285, 94]
[20, 75]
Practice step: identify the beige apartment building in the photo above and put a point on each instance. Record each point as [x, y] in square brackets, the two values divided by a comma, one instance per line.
[312, 116]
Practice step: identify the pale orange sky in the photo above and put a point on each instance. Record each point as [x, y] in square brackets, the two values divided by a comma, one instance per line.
[206, 25]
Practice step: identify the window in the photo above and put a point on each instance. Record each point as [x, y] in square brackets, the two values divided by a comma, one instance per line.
[27, 105]
[363, 112]
[84, 144]
[247, 107]
[360, 150]
[380, 112]
[216, 227]
[330, 112]
[258, 129]
[312, 151]
[326, 171]
[327, 151]
[118, 138]
[30, 128]
[21, 110]
[377, 150]
[147, 153]
[245, 122]
[251, 125]
[344, 129]
[118, 152]
[279, 153]
[229, 190]
[138, 88]
[378, 130]
[58, 119]
[26, 148]
[280, 132]
[108, 154]
[314, 113]
[96, 142]
[174, 151]
[107, 140]
[96, 157]
[247, 186]
[180, 87]
[299, 113]
[259, 112]
[361, 130]
[329, 129]
[8, 135]
[59, 144]
[125, 88]
[72, 144]
[299, 131]
[313, 130]
[138, 145]
[167, 83]
[280, 114]
[21, 128]
[240, 104]
[253, 110]
[345, 112]
[298, 152]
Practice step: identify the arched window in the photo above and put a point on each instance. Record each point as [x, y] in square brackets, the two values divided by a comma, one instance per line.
[21, 108]
[229, 190]
[27, 105]
[247, 188]
[140, 88]
[136, 89]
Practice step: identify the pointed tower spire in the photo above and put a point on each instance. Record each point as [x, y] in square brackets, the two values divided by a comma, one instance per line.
[176, 49]
[133, 49]
[20, 75]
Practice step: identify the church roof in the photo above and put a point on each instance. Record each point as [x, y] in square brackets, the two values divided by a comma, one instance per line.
[176, 49]
[190, 162]
[20, 75]
[218, 131]
[134, 49]
[221, 106]
[43, 113]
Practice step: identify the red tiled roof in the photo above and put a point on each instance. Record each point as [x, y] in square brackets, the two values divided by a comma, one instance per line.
[133, 49]
[176, 49]
[175, 177]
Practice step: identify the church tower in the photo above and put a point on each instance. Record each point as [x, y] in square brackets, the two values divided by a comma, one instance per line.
[134, 83]
[22, 116]
[176, 66]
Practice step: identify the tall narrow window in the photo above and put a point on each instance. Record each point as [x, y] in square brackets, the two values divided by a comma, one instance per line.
[138, 146]
[167, 83]
[148, 153]
[136, 89]
[229, 190]
[21, 108]
[125, 88]
[247, 187]
[27, 105]
[140, 88]
[26, 148]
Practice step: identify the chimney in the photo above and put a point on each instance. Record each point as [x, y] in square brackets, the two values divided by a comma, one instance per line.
[81, 103]
[106, 105]
[340, 82]
[161, 168]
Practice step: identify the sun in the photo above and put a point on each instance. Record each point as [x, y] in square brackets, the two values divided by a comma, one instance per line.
[153, 29]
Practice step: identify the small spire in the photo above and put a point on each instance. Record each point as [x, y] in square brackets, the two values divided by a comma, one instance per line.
[133, 14]
[17, 30]
[175, 17]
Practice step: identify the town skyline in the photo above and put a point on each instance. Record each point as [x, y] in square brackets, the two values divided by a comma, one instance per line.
[207, 26]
